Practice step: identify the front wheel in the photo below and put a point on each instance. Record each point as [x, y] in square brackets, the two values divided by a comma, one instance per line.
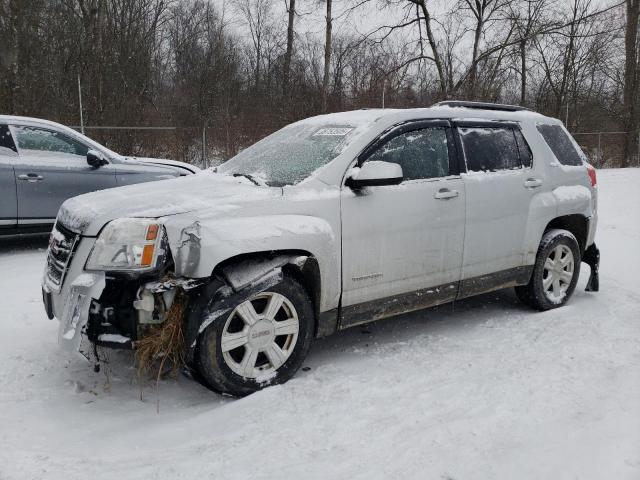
[263, 341]
[555, 273]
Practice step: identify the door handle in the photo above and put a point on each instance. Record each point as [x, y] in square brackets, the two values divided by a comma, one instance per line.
[532, 183]
[445, 193]
[31, 177]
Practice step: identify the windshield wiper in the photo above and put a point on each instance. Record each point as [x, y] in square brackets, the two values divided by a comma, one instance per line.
[246, 175]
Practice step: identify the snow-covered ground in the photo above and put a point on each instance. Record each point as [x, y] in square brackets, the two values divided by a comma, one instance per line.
[483, 389]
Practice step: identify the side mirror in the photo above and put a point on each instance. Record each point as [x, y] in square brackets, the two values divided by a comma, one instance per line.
[96, 159]
[376, 174]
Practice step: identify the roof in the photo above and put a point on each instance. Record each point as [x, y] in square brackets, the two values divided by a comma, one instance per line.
[19, 119]
[452, 111]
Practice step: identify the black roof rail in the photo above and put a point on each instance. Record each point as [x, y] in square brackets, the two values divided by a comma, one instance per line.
[481, 105]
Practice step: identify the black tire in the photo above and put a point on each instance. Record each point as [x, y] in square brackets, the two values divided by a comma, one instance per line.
[534, 294]
[210, 361]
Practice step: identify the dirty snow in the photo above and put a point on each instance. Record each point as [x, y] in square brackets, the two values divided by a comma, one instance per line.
[483, 389]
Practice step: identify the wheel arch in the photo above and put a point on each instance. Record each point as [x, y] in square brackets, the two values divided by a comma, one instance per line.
[300, 264]
[577, 224]
[303, 266]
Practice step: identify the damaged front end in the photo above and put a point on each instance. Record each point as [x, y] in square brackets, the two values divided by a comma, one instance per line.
[116, 289]
[140, 287]
[129, 309]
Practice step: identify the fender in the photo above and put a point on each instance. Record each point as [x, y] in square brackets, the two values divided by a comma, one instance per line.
[574, 199]
[546, 206]
[198, 245]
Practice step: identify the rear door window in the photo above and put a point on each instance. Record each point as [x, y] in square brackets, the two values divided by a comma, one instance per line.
[488, 149]
[560, 144]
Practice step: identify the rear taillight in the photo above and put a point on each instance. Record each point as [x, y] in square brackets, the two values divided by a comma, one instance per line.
[592, 175]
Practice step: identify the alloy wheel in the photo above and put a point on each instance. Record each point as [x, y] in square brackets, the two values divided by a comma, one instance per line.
[558, 273]
[260, 335]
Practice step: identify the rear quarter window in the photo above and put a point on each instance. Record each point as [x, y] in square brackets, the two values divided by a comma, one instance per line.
[560, 144]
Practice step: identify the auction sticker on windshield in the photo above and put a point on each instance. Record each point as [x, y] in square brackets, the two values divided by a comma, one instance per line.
[333, 131]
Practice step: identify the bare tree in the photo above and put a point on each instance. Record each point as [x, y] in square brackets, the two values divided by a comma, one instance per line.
[257, 16]
[170, 62]
[435, 51]
[484, 13]
[327, 56]
[9, 56]
[528, 18]
[570, 53]
[286, 69]
[631, 78]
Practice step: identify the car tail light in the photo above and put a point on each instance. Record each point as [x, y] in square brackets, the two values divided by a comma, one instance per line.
[592, 175]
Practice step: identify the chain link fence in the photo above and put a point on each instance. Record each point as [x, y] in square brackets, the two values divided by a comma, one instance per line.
[211, 146]
[605, 149]
[193, 145]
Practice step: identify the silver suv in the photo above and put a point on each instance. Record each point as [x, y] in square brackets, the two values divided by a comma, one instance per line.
[331, 222]
[44, 163]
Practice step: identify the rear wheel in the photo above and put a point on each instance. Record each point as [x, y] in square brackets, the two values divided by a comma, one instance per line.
[555, 273]
[263, 341]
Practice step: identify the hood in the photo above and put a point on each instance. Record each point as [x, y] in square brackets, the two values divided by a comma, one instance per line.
[206, 192]
[182, 167]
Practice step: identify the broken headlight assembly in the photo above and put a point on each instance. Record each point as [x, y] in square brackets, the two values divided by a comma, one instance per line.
[129, 245]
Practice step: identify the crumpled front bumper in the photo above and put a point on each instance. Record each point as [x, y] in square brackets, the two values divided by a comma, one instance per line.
[75, 314]
[71, 302]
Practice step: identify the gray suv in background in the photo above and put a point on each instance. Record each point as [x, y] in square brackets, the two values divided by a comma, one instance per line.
[43, 163]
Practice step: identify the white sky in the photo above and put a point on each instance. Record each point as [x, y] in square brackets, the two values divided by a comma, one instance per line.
[375, 13]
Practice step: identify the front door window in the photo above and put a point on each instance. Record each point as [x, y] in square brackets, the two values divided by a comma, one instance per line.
[34, 141]
[421, 153]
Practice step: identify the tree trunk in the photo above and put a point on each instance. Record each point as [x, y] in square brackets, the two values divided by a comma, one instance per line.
[288, 54]
[568, 65]
[523, 72]
[473, 74]
[327, 58]
[631, 81]
[434, 50]
[91, 64]
[12, 84]
[99, 27]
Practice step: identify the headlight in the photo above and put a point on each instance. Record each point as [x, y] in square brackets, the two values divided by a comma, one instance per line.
[128, 244]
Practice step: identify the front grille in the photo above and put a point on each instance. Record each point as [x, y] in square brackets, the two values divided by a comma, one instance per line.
[61, 247]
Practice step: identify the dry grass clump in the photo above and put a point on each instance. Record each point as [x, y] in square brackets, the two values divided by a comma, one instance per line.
[164, 343]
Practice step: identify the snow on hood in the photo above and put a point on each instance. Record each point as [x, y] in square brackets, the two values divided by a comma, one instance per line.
[205, 191]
